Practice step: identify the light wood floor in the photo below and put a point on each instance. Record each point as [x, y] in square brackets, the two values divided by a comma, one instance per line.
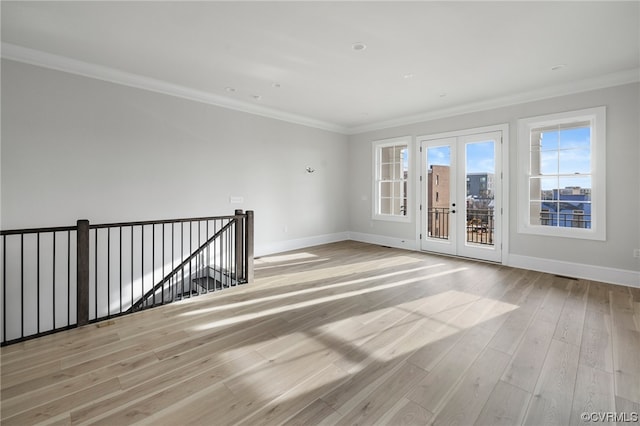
[346, 333]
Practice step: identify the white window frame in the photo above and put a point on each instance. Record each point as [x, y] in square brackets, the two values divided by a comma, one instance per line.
[377, 150]
[597, 118]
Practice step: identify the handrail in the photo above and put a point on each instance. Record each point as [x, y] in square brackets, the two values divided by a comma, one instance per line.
[168, 277]
[159, 222]
[38, 230]
[57, 278]
[110, 225]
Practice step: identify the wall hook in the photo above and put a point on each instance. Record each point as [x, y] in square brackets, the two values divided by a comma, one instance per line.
[310, 169]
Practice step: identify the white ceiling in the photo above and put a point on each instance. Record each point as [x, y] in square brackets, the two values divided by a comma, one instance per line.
[458, 56]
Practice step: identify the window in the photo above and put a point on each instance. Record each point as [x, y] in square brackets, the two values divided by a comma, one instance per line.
[562, 174]
[391, 179]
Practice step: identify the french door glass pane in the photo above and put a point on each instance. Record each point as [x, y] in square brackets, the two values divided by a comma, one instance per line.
[480, 181]
[438, 191]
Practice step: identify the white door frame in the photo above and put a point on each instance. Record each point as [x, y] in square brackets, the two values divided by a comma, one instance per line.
[504, 160]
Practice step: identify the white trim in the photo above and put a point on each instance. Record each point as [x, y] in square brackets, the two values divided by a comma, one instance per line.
[383, 240]
[503, 128]
[299, 243]
[112, 75]
[610, 80]
[597, 117]
[577, 270]
[570, 269]
[61, 63]
[382, 143]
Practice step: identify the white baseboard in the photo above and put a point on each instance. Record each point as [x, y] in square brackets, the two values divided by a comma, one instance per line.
[298, 243]
[383, 240]
[558, 267]
[576, 270]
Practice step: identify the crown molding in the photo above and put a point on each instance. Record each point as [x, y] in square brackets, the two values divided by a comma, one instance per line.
[112, 75]
[73, 66]
[601, 82]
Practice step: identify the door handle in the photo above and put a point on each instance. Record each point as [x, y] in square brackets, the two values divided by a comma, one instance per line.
[453, 211]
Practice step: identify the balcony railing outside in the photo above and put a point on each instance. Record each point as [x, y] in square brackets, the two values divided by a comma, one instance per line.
[438, 223]
[479, 225]
[565, 220]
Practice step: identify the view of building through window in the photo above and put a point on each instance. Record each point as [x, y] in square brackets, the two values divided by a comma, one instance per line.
[479, 173]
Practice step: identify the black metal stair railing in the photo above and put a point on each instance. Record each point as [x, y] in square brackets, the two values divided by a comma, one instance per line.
[54, 279]
[201, 272]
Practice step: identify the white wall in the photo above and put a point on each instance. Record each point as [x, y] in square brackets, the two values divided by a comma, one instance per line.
[609, 260]
[75, 147]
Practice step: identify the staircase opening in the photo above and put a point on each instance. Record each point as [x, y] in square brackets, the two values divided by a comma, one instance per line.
[58, 278]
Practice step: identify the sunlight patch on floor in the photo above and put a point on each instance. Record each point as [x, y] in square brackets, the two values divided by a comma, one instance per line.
[300, 292]
[274, 311]
[289, 264]
[304, 277]
[285, 258]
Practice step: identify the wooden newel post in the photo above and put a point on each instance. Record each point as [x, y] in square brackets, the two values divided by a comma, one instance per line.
[239, 237]
[248, 229]
[82, 269]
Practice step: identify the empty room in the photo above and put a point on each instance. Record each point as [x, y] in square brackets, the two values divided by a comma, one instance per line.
[317, 212]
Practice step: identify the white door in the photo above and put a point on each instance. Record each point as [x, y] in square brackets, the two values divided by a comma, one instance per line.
[461, 189]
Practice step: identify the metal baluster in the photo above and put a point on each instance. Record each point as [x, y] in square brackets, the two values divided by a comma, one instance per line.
[38, 282]
[142, 266]
[4, 288]
[198, 262]
[172, 260]
[108, 272]
[68, 278]
[153, 264]
[21, 285]
[208, 262]
[163, 261]
[96, 274]
[120, 264]
[53, 283]
[131, 285]
[182, 258]
[190, 251]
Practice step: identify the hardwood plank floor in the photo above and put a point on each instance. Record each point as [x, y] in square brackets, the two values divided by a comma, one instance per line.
[345, 333]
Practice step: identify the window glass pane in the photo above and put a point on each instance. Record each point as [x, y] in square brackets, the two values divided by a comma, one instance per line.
[574, 161]
[397, 171]
[386, 171]
[575, 138]
[386, 154]
[576, 189]
[405, 161]
[542, 188]
[548, 162]
[549, 140]
[397, 154]
[438, 156]
[543, 213]
[397, 203]
[386, 189]
[569, 216]
[396, 189]
[385, 205]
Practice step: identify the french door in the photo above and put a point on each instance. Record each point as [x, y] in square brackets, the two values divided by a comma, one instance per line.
[461, 189]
